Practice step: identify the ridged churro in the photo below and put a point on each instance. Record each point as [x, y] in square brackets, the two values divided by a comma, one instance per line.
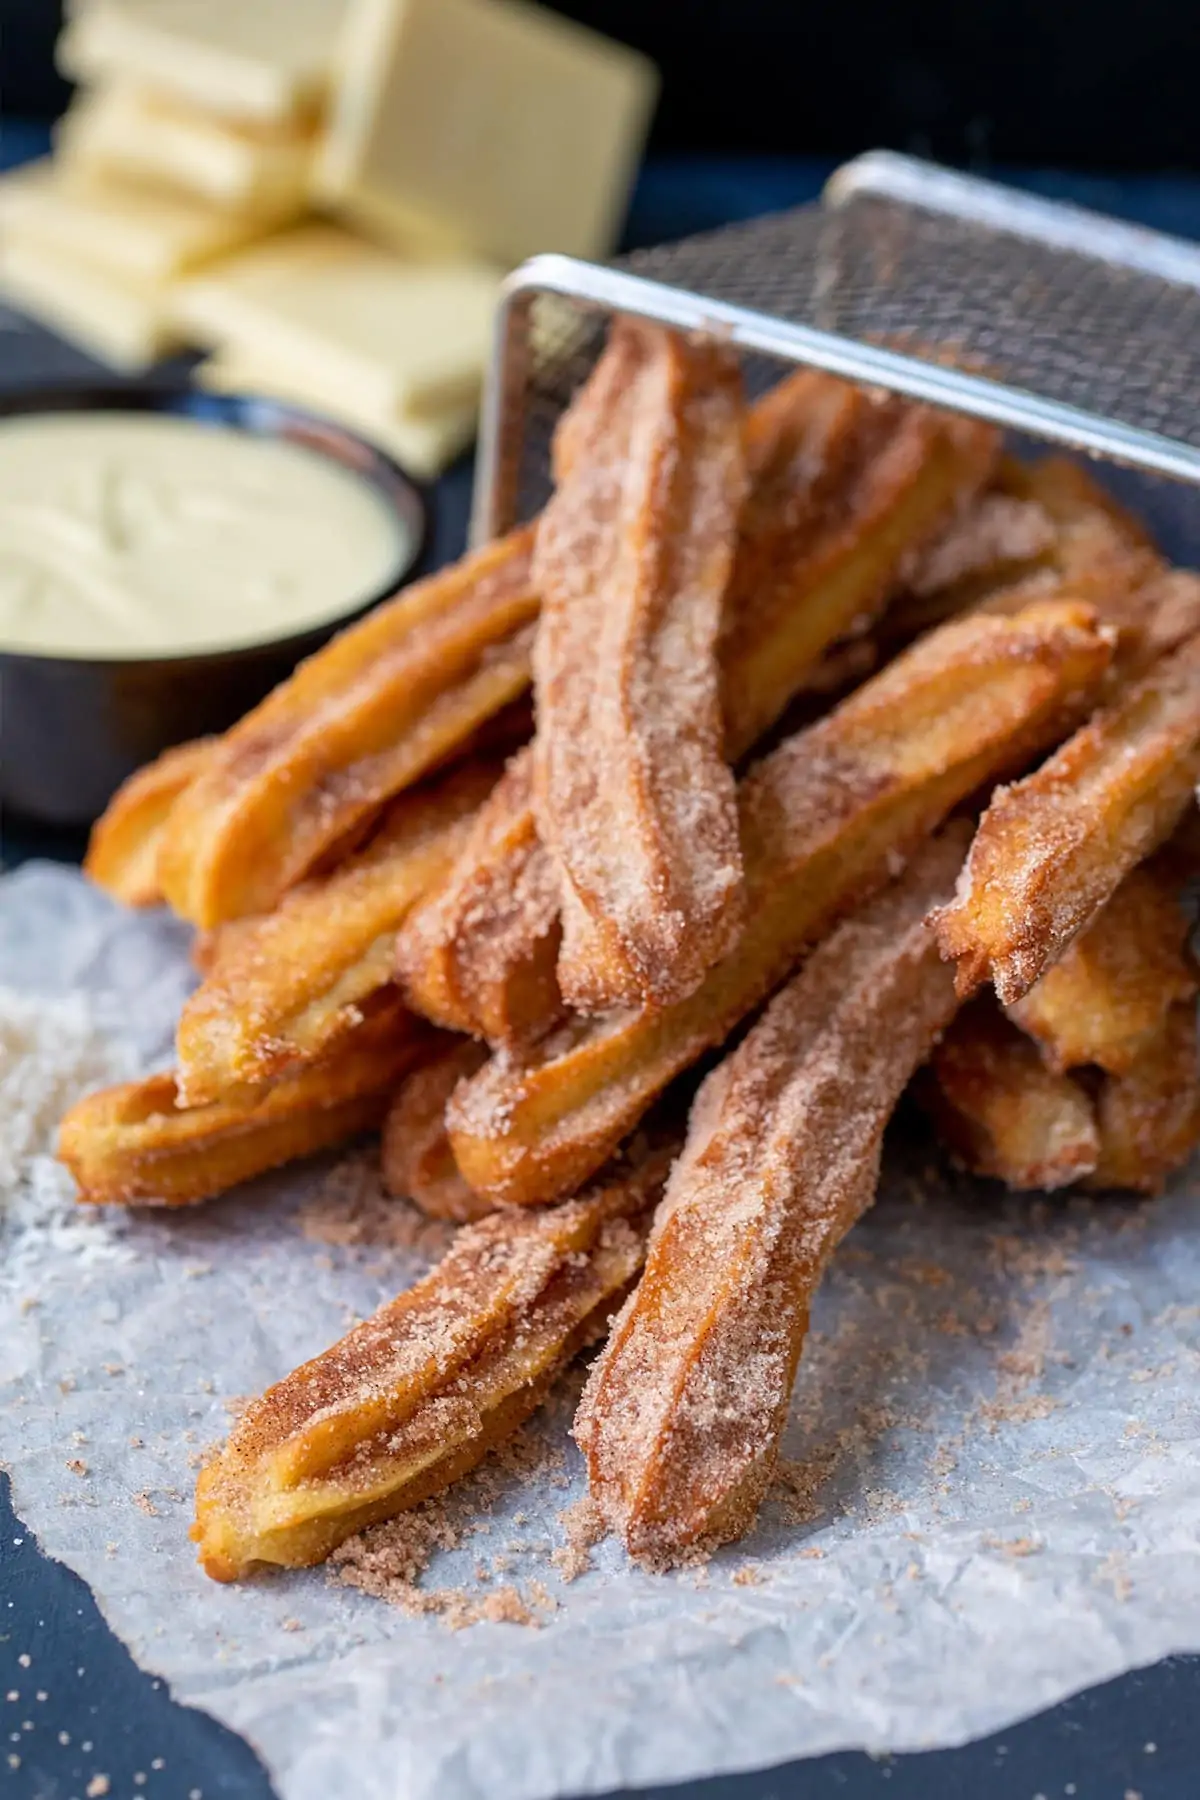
[122, 852]
[843, 488]
[282, 989]
[633, 796]
[1108, 994]
[681, 1419]
[415, 1397]
[134, 1145]
[1149, 1116]
[418, 1163]
[365, 717]
[480, 954]
[1001, 1111]
[824, 820]
[1051, 849]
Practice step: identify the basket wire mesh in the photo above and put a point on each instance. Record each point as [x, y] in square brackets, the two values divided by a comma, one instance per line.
[1051, 321]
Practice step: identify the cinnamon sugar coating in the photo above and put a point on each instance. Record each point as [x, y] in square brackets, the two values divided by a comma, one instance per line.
[418, 1163]
[824, 820]
[1053, 848]
[480, 954]
[414, 1398]
[368, 715]
[683, 1411]
[1001, 1111]
[633, 796]
[1109, 993]
[135, 1145]
[282, 989]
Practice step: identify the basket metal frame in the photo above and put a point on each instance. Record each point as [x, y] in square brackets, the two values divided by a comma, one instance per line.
[880, 175]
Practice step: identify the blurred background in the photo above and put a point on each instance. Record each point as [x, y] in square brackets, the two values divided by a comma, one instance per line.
[1097, 85]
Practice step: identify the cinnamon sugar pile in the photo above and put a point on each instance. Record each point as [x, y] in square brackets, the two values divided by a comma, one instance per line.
[388, 1561]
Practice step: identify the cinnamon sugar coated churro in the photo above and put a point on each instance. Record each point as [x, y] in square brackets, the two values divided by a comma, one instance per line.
[414, 1398]
[1110, 991]
[821, 538]
[632, 556]
[825, 819]
[136, 1146]
[122, 852]
[281, 990]
[1053, 848]
[1149, 1116]
[845, 485]
[683, 1411]
[1001, 1111]
[500, 932]
[367, 716]
[481, 954]
[418, 1163]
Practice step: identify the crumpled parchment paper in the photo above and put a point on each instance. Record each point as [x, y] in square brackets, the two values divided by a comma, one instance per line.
[995, 1468]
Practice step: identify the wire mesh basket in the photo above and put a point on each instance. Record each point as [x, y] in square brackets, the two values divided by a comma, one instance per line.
[1056, 323]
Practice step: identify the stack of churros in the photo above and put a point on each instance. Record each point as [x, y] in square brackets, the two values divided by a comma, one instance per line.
[854, 740]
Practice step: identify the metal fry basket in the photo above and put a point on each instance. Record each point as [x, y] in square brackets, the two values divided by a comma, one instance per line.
[1059, 324]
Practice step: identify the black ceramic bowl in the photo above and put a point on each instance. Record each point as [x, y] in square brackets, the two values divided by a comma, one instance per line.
[73, 727]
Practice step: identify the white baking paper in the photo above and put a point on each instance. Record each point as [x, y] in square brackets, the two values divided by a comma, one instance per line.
[997, 1415]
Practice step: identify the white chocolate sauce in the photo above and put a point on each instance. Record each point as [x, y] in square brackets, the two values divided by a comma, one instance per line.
[141, 534]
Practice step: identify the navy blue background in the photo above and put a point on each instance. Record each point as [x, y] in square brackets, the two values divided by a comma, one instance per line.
[1139, 1736]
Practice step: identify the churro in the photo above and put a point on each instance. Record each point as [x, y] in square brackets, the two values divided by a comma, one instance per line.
[843, 488]
[845, 485]
[414, 1398]
[135, 1146]
[633, 796]
[1108, 994]
[1091, 526]
[681, 1419]
[1001, 1111]
[824, 820]
[122, 852]
[480, 954]
[1149, 1116]
[418, 1163]
[282, 989]
[1051, 849]
[361, 720]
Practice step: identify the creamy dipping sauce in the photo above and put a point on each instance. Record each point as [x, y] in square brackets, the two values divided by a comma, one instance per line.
[138, 534]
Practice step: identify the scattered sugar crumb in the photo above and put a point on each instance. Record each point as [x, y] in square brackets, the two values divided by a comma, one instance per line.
[97, 1787]
[749, 1575]
[145, 1504]
[584, 1529]
[77, 1465]
[1023, 1546]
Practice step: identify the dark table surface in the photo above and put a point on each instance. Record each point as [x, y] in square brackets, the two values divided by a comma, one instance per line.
[76, 1707]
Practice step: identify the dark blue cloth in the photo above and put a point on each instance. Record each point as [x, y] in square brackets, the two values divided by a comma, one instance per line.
[1137, 1736]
